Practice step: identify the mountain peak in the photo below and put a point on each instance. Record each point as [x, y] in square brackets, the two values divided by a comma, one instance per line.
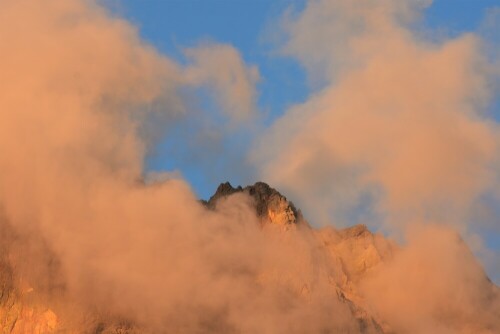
[270, 205]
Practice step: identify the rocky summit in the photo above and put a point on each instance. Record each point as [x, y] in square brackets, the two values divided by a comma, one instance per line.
[270, 205]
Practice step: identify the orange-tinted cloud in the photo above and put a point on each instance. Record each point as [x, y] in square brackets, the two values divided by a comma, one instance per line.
[434, 278]
[88, 235]
[400, 118]
[221, 68]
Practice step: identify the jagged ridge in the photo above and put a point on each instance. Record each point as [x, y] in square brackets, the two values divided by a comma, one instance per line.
[270, 205]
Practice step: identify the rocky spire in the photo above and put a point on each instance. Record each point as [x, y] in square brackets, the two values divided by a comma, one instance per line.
[270, 205]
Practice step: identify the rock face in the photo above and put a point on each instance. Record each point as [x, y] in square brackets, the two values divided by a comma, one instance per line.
[355, 251]
[352, 251]
[356, 248]
[19, 315]
[270, 205]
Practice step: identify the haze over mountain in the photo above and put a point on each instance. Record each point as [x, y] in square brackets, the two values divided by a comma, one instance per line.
[282, 275]
[397, 136]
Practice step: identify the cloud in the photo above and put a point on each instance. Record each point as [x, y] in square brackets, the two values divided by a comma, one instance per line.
[87, 235]
[323, 36]
[434, 277]
[220, 68]
[397, 135]
[401, 120]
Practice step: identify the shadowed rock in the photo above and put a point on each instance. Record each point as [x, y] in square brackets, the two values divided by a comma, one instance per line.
[270, 205]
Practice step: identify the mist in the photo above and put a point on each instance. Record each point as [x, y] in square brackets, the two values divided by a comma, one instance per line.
[96, 239]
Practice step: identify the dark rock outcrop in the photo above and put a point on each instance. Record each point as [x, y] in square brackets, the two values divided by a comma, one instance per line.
[270, 205]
